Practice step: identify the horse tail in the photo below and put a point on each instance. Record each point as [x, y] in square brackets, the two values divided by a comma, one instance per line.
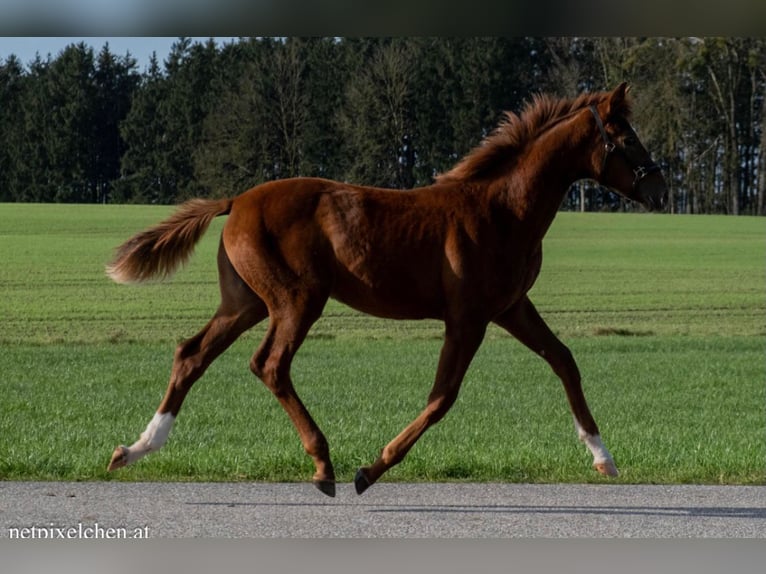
[160, 250]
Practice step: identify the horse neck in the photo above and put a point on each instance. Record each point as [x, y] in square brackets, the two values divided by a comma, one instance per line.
[552, 163]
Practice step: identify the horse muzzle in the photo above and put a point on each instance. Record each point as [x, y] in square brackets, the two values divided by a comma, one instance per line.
[652, 190]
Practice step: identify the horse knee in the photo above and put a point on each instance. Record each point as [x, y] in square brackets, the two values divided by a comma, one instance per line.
[564, 365]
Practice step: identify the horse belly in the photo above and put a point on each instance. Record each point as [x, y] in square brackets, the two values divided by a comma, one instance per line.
[395, 297]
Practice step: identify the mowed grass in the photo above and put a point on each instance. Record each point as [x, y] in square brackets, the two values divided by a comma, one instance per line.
[666, 316]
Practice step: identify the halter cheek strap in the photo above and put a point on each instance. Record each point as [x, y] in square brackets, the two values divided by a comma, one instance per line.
[609, 146]
[639, 172]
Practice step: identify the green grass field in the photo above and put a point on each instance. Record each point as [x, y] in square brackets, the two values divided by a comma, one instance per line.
[666, 316]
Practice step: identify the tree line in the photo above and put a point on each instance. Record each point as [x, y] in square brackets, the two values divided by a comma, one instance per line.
[213, 120]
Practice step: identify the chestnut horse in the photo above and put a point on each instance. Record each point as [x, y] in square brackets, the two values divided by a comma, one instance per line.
[465, 250]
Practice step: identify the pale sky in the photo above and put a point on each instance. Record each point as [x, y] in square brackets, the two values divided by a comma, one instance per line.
[140, 47]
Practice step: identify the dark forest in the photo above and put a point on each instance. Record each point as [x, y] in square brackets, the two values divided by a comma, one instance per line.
[88, 126]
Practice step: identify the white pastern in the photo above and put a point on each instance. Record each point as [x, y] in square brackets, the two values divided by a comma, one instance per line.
[594, 444]
[152, 438]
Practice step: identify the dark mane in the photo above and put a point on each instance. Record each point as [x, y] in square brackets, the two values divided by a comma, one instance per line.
[515, 131]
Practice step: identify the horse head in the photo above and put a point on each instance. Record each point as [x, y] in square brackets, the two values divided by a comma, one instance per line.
[620, 160]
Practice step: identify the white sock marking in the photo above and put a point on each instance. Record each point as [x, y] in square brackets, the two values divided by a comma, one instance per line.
[594, 444]
[152, 438]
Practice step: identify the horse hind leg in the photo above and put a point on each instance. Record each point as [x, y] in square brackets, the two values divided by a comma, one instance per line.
[271, 363]
[240, 309]
[191, 360]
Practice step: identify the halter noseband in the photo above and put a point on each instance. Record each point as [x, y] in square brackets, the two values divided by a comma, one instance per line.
[639, 172]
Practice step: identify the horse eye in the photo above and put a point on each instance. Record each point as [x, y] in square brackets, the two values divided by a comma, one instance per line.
[630, 141]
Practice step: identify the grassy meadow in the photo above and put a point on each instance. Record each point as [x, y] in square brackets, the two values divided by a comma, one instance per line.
[666, 316]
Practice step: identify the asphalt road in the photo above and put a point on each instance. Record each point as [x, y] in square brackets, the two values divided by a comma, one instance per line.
[259, 510]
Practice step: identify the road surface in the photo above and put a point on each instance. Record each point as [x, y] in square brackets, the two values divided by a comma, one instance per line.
[386, 510]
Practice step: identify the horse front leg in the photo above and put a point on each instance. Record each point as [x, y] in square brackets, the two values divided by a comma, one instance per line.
[524, 322]
[460, 346]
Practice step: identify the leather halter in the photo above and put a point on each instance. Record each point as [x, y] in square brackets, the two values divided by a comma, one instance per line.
[639, 172]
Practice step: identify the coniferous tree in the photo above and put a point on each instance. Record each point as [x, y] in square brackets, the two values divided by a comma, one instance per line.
[70, 91]
[238, 142]
[34, 165]
[143, 177]
[12, 89]
[327, 74]
[115, 81]
[190, 72]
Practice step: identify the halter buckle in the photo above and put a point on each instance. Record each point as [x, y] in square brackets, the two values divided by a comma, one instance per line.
[642, 171]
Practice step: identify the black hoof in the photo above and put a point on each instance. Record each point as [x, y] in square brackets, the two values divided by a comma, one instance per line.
[360, 482]
[326, 487]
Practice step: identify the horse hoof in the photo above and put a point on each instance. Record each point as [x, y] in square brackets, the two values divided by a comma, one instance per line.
[326, 487]
[361, 482]
[119, 458]
[606, 468]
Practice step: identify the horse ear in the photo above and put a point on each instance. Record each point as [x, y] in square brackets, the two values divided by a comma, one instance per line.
[618, 104]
